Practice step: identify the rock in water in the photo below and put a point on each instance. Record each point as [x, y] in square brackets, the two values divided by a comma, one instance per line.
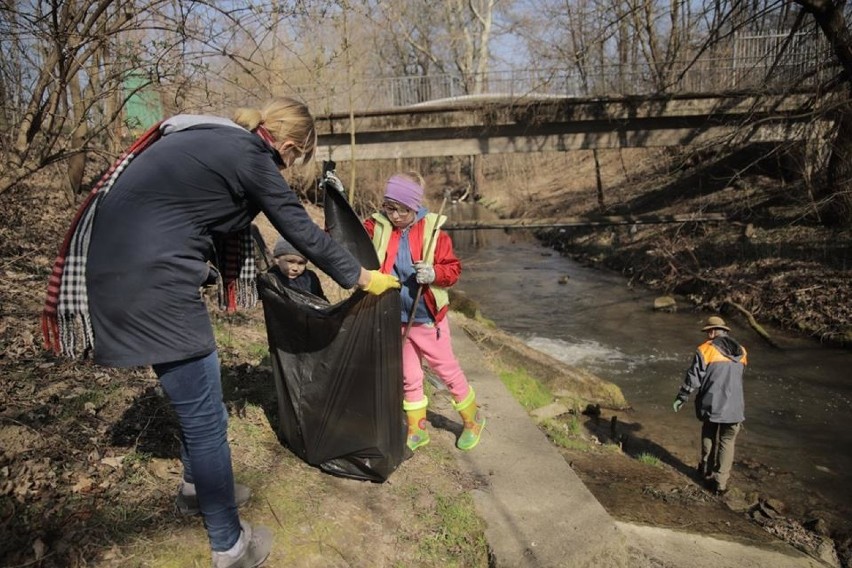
[665, 304]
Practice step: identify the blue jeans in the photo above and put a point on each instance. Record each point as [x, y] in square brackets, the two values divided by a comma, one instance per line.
[194, 387]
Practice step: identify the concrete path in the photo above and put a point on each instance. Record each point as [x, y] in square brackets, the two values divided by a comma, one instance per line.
[538, 511]
[540, 514]
[654, 546]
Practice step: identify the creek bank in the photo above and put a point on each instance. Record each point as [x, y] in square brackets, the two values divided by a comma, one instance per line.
[636, 479]
[730, 277]
[575, 385]
[773, 257]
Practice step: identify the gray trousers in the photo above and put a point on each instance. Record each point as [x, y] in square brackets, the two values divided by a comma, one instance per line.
[717, 451]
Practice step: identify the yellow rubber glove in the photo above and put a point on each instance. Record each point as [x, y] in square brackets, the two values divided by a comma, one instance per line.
[380, 282]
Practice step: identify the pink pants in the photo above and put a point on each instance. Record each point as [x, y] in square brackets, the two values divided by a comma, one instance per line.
[432, 343]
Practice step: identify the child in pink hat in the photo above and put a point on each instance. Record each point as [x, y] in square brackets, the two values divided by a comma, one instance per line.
[411, 246]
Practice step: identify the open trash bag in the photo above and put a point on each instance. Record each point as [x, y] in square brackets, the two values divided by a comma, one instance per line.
[338, 368]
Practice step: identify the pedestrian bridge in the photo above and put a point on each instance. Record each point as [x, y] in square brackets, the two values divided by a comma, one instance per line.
[730, 94]
[464, 126]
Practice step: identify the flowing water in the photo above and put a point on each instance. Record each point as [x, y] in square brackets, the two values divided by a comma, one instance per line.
[798, 398]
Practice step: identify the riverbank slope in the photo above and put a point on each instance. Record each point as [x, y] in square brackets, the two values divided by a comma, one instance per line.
[772, 260]
[537, 511]
[619, 456]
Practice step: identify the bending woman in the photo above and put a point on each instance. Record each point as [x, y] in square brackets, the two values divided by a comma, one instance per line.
[203, 178]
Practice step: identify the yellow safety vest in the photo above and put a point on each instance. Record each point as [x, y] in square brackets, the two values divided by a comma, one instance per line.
[381, 239]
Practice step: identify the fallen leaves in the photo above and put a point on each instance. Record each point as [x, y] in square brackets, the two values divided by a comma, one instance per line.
[83, 485]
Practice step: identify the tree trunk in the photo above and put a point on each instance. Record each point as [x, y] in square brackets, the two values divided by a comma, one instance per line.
[835, 198]
[77, 161]
[599, 181]
[478, 178]
[349, 82]
[74, 175]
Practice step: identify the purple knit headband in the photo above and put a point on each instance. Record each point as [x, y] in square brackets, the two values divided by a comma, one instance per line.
[404, 190]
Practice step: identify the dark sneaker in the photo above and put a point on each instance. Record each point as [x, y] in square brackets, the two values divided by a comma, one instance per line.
[712, 486]
[188, 504]
[255, 553]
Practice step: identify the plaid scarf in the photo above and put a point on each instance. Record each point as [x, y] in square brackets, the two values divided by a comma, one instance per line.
[65, 321]
[238, 286]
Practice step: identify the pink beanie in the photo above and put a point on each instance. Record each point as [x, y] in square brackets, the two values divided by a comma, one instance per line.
[404, 190]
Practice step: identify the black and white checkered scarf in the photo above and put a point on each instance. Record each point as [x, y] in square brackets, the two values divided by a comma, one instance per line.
[66, 323]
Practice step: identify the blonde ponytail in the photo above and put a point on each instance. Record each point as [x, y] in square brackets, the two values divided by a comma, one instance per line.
[285, 119]
[248, 118]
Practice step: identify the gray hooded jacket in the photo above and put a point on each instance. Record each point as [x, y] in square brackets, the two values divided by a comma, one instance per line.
[716, 374]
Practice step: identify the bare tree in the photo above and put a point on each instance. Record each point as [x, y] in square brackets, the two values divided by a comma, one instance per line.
[67, 67]
[416, 38]
[662, 46]
[836, 194]
[59, 40]
[65, 84]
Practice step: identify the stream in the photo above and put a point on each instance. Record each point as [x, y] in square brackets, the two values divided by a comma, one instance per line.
[798, 398]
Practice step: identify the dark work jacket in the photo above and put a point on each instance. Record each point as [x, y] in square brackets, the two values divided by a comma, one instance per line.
[154, 232]
[717, 375]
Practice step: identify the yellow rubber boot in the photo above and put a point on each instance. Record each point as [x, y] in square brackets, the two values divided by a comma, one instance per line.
[474, 421]
[418, 436]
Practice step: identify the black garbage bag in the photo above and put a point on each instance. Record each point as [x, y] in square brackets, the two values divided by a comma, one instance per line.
[338, 368]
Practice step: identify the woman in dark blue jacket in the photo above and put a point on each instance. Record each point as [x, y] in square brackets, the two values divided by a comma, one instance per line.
[151, 240]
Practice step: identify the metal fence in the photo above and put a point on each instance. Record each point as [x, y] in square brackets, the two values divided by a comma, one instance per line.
[748, 64]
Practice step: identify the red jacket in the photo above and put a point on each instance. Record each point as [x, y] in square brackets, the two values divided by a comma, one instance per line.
[447, 266]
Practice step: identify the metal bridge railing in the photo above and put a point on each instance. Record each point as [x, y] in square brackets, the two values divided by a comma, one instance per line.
[753, 63]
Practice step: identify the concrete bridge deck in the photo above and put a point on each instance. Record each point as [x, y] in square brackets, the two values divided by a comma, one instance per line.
[560, 124]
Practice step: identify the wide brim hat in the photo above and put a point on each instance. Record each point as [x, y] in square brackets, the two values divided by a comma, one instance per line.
[715, 322]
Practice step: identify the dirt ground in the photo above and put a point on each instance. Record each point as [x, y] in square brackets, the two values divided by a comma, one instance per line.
[759, 508]
[88, 456]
